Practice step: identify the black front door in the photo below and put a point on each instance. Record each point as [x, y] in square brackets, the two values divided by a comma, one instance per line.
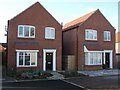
[49, 61]
[107, 60]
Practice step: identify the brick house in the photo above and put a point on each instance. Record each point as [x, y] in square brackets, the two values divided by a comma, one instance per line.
[3, 54]
[118, 42]
[90, 39]
[34, 40]
[118, 48]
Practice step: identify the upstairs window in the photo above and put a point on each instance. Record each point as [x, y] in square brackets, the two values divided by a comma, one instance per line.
[49, 33]
[107, 36]
[26, 31]
[90, 34]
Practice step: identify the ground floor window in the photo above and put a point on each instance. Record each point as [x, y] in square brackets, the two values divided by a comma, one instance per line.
[93, 58]
[26, 58]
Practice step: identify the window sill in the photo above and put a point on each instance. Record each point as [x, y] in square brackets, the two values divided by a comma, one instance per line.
[107, 41]
[26, 37]
[26, 66]
[49, 38]
[91, 40]
[93, 64]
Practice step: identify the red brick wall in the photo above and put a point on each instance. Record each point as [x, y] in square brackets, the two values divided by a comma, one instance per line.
[69, 41]
[37, 16]
[70, 44]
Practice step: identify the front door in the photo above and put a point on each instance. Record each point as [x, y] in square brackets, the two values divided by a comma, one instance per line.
[107, 60]
[49, 61]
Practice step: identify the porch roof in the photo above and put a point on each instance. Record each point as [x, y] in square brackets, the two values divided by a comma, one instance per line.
[93, 47]
[2, 49]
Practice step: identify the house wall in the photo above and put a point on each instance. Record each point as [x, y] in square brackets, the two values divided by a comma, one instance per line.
[118, 49]
[69, 41]
[118, 60]
[69, 46]
[98, 22]
[37, 16]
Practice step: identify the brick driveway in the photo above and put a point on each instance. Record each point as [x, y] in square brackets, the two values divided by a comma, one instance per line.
[104, 82]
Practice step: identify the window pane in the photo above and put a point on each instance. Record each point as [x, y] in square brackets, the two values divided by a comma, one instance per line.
[26, 31]
[27, 58]
[91, 58]
[87, 34]
[95, 59]
[105, 36]
[20, 31]
[95, 35]
[109, 36]
[90, 35]
[99, 58]
[32, 31]
[86, 58]
[33, 58]
[47, 33]
[52, 32]
[20, 60]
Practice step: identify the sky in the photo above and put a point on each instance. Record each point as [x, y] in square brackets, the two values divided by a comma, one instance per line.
[62, 10]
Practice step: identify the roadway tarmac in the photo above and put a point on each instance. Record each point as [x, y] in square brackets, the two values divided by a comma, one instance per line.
[40, 85]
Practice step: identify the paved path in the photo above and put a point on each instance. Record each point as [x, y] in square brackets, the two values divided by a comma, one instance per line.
[55, 76]
[101, 72]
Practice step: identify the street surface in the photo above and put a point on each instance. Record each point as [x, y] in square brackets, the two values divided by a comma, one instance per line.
[40, 85]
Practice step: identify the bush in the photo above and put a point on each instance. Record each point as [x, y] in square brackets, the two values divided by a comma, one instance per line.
[30, 75]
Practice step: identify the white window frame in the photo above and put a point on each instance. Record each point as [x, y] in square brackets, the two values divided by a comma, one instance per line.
[23, 36]
[94, 32]
[108, 33]
[89, 56]
[51, 32]
[17, 55]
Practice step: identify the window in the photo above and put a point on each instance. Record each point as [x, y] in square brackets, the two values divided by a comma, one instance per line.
[107, 36]
[49, 33]
[26, 58]
[26, 31]
[93, 58]
[90, 34]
